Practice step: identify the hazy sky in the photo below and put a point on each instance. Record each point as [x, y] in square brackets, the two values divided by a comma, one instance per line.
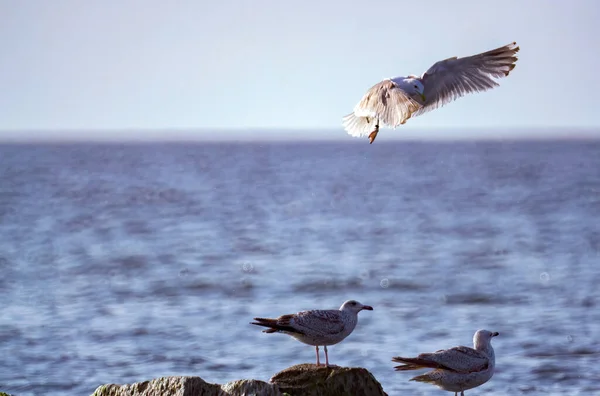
[114, 64]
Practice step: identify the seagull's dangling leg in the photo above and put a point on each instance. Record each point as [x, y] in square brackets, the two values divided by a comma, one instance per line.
[318, 362]
[373, 134]
[326, 356]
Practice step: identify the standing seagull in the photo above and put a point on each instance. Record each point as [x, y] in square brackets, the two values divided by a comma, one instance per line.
[456, 369]
[394, 100]
[317, 327]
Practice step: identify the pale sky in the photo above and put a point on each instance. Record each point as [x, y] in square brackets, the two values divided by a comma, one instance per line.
[114, 64]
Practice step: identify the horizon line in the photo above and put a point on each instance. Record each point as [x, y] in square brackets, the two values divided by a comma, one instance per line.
[286, 128]
[252, 134]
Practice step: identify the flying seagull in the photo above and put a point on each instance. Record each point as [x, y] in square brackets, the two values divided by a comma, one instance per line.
[457, 369]
[317, 327]
[394, 100]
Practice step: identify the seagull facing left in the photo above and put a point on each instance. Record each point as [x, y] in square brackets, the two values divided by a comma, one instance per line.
[394, 100]
[317, 327]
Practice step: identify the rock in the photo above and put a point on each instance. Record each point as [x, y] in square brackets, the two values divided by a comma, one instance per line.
[188, 386]
[299, 380]
[313, 380]
[178, 386]
[250, 388]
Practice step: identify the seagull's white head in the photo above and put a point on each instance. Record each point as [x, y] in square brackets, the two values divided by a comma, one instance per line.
[414, 87]
[482, 338]
[354, 306]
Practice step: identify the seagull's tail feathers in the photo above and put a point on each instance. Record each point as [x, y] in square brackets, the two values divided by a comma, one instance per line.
[427, 378]
[273, 326]
[358, 126]
[414, 363]
[408, 367]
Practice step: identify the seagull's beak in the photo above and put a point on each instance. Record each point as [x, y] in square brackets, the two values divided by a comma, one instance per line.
[423, 97]
[367, 307]
[495, 334]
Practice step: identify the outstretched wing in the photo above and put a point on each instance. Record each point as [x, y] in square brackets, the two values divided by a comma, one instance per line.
[385, 101]
[452, 78]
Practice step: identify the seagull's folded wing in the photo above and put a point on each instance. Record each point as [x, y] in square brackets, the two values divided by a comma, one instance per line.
[460, 359]
[319, 322]
[453, 78]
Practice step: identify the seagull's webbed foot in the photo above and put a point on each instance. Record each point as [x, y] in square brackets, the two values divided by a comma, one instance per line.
[373, 134]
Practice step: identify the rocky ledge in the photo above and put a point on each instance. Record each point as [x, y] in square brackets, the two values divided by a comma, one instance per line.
[299, 380]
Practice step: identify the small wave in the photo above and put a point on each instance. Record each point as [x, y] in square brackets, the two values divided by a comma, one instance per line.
[137, 227]
[155, 196]
[556, 373]
[242, 287]
[528, 389]
[200, 285]
[251, 245]
[483, 299]
[8, 333]
[314, 285]
[548, 370]
[79, 223]
[402, 284]
[238, 289]
[132, 262]
[564, 352]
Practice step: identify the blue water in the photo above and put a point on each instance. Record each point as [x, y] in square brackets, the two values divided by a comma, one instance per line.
[120, 263]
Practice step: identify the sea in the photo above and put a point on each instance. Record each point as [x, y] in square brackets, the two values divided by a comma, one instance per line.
[123, 262]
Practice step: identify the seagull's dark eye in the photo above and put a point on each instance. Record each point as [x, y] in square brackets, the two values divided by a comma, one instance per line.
[416, 86]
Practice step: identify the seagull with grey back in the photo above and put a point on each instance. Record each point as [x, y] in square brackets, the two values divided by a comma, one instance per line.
[317, 327]
[457, 369]
[394, 100]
